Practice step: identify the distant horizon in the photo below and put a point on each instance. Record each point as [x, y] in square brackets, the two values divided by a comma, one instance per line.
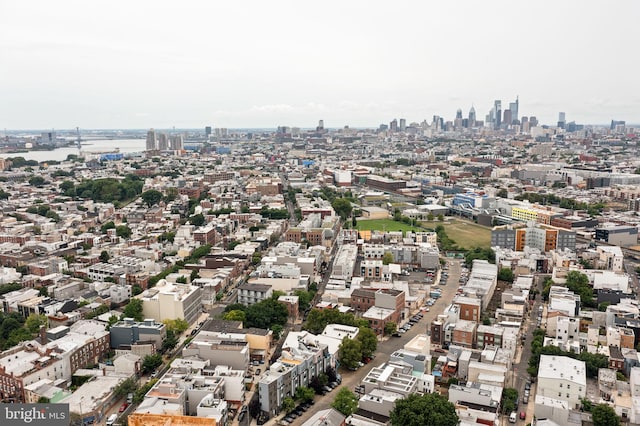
[228, 64]
[145, 129]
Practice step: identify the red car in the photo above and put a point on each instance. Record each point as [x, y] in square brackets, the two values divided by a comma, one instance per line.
[123, 407]
[523, 415]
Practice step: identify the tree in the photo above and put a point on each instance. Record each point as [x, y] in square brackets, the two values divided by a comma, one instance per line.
[125, 387]
[133, 310]
[104, 256]
[304, 394]
[342, 207]
[169, 342]
[604, 415]
[509, 397]
[151, 362]
[37, 181]
[197, 219]
[431, 409]
[123, 231]
[235, 315]
[505, 274]
[151, 197]
[177, 326]
[277, 331]
[266, 313]
[256, 258]
[368, 341]
[34, 322]
[288, 404]
[502, 193]
[350, 352]
[387, 258]
[390, 328]
[345, 401]
[109, 225]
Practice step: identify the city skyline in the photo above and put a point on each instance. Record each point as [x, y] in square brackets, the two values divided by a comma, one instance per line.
[260, 65]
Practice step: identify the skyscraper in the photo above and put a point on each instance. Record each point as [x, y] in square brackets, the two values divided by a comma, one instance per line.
[403, 124]
[497, 113]
[163, 142]
[393, 126]
[472, 117]
[513, 106]
[151, 140]
[507, 119]
[561, 120]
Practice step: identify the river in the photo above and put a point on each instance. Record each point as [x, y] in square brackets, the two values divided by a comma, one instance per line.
[103, 145]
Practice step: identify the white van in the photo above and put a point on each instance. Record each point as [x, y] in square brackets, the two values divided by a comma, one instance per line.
[112, 419]
[513, 417]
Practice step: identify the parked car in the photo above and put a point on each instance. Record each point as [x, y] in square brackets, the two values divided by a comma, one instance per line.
[513, 417]
[525, 399]
[123, 407]
[258, 371]
[523, 415]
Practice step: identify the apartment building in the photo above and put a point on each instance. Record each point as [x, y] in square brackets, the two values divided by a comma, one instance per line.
[82, 344]
[295, 368]
[129, 332]
[562, 378]
[170, 301]
[249, 293]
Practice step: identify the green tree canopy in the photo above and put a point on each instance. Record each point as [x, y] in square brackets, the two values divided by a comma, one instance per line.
[288, 404]
[123, 231]
[266, 313]
[350, 352]
[133, 310]
[368, 341]
[342, 207]
[604, 415]
[387, 258]
[345, 401]
[151, 362]
[431, 409]
[304, 394]
[235, 315]
[177, 326]
[197, 219]
[390, 327]
[505, 274]
[151, 197]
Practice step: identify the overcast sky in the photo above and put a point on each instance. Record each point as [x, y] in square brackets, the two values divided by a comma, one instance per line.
[141, 64]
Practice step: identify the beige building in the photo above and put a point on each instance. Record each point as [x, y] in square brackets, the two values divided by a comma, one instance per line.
[171, 301]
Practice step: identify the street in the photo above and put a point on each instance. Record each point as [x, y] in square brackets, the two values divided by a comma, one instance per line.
[388, 346]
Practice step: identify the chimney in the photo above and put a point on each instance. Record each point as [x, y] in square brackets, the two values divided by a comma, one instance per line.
[43, 334]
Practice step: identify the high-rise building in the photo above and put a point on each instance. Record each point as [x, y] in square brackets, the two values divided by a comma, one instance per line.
[151, 140]
[561, 120]
[459, 113]
[533, 121]
[320, 125]
[163, 142]
[177, 142]
[472, 117]
[403, 124]
[207, 131]
[507, 119]
[513, 106]
[393, 126]
[497, 111]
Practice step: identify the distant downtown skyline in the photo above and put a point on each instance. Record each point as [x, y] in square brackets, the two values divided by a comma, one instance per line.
[358, 63]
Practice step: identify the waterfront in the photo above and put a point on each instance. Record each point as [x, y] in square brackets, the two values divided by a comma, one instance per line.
[99, 145]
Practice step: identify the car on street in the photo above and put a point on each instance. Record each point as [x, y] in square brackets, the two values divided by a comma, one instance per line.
[123, 407]
[258, 371]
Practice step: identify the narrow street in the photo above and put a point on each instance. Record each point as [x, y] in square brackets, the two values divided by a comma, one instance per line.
[351, 379]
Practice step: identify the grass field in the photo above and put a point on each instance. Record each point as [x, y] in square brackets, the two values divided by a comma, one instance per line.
[465, 234]
[385, 225]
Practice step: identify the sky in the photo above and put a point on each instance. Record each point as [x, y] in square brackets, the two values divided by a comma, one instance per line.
[251, 64]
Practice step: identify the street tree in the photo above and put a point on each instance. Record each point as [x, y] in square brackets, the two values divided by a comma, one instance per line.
[368, 341]
[342, 207]
[345, 401]
[390, 328]
[288, 404]
[304, 394]
[431, 409]
[387, 258]
[151, 362]
[350, 352]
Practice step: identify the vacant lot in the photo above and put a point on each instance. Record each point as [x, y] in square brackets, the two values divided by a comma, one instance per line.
[386, 225]
[465, 234]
